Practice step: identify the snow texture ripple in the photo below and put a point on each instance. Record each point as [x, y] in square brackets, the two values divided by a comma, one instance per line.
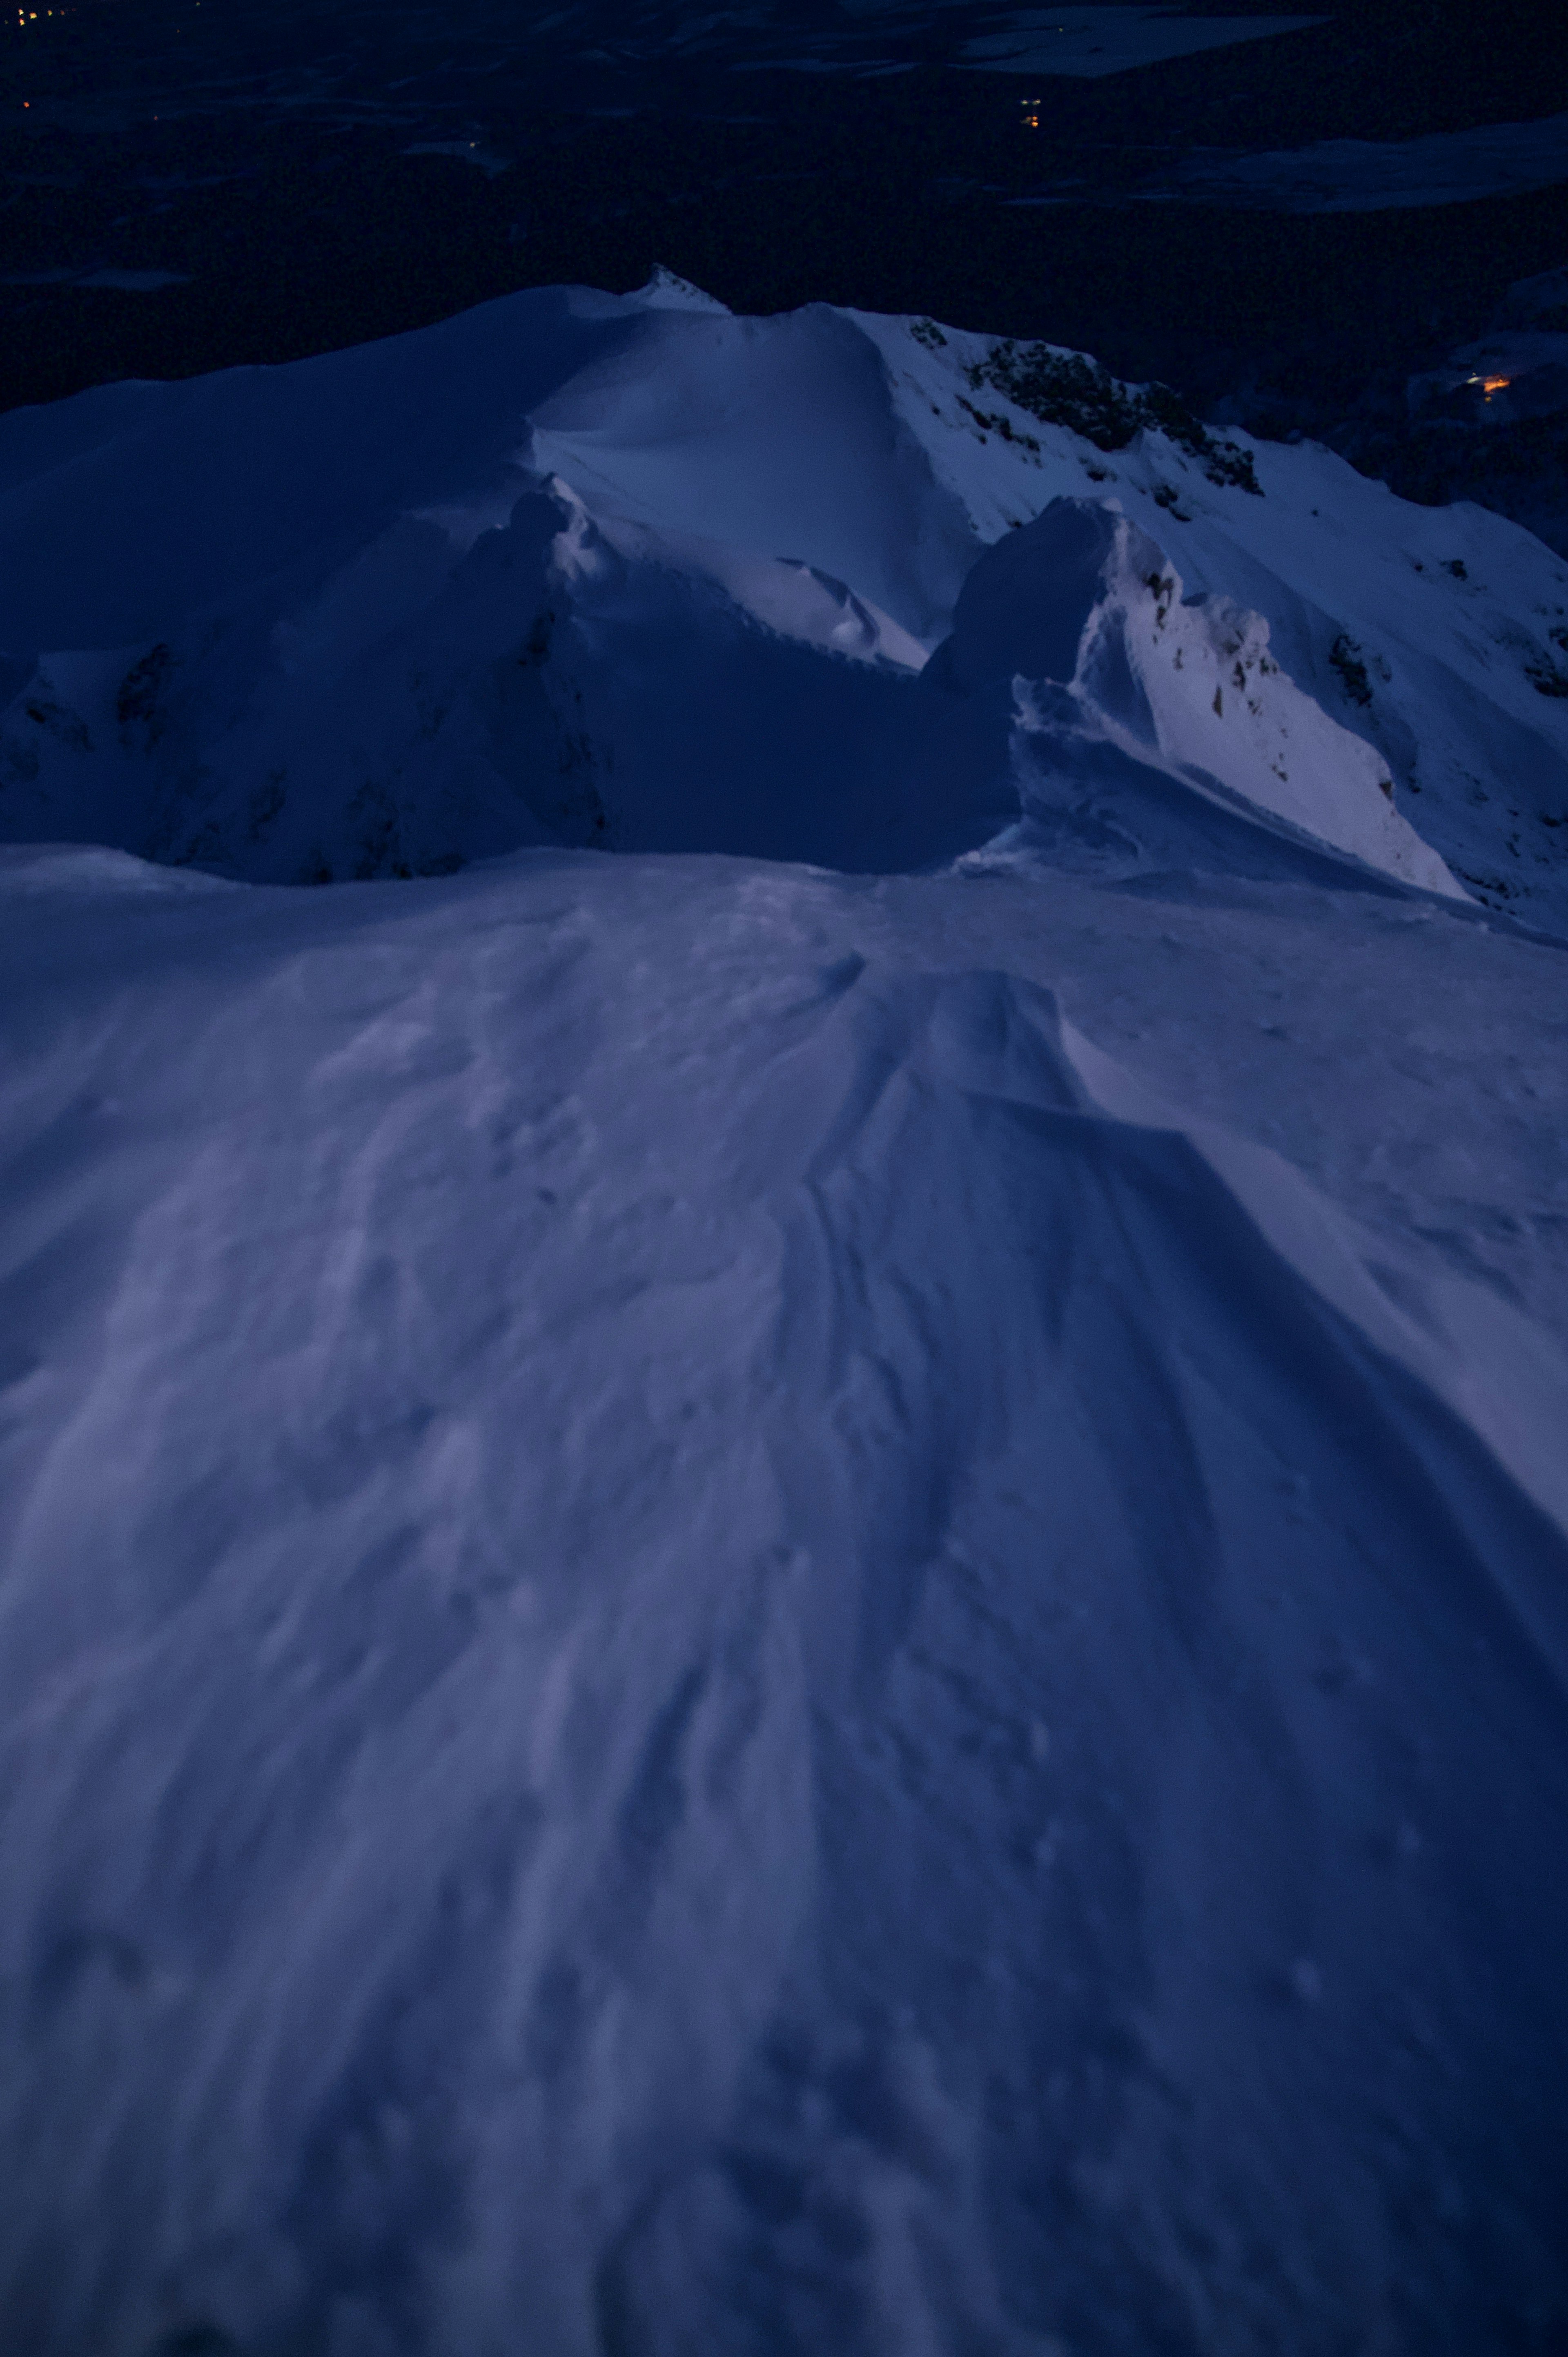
[805, 1608]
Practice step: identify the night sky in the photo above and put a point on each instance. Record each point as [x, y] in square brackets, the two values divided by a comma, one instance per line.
[252, 167]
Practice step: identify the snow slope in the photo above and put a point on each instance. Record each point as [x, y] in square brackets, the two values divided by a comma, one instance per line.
[806, 1593]
[436, 598]
[711, 1641]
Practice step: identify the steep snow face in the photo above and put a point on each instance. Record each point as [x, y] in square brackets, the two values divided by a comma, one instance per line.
[777, 435]
[1080, 608]
[326, 621]
[452, 694]
[744, 1611]
[556, 678]
[1438, 635]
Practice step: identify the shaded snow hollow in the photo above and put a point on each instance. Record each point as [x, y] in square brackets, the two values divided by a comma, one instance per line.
[812, 1611]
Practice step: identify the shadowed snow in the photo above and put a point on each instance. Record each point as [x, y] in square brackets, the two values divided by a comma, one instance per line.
[709, 1637]
[632, 572]
[810, 1603]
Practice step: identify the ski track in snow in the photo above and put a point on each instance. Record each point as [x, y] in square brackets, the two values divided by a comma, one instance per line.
[747, 1609]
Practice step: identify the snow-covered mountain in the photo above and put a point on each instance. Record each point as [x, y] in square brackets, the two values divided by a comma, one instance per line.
[805, 1591]
[629, 571]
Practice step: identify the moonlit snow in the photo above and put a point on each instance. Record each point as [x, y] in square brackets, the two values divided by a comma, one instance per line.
[784, 1249]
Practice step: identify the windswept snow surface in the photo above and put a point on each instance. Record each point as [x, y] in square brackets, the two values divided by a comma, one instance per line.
[712, 1642]
[803, 1609]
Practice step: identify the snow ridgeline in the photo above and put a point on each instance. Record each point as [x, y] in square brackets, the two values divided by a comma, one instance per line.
[629, 572]
[741, 1610]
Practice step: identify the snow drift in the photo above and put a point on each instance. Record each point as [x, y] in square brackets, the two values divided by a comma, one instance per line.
[802, 1610]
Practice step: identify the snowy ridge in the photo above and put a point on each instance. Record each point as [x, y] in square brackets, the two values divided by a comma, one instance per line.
[1115, 676]
[808, 1603]
[339, 620]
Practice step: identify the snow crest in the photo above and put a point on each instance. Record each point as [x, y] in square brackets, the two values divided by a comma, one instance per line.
[807, 1596]
[325, 621]
[1118, 674]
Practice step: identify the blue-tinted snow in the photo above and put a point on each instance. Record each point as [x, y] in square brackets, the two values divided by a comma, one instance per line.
[584, 568]
[748, 1610]
[703, 1627]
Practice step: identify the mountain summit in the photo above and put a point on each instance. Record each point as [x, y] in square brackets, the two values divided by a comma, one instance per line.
[783, 1527]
